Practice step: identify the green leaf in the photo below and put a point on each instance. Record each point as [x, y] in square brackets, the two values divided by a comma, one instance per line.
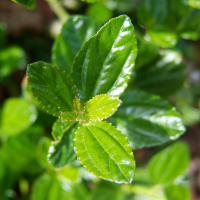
[16, 116]
[105, 152]
[162, 39]
[28, 3]
[21, 151]
[3, 34]
[52, 87]
[192, 3]
[101, 107]
[76, 104]
[177, 192]
[69, 116]
[105, 62]
[59, 128]
[75, 32]
[11, 59]
[168, 164]
[163, 77]
[61, 152]
[51, 187]
[106, 190]
[147, 120]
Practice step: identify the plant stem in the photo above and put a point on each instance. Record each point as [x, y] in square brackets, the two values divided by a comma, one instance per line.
[58, 9]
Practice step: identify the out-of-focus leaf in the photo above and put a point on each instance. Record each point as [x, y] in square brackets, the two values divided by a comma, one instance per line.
[61, 152]
[105, 63]
[163, 77]
[99, 12]
[145, 50]
[177, 192]
[75, 32]
[51, 187]
[16, 116]
[105, 151]
[42, 151]
[3, 35]
[91, 1]
[175, 157]
[52, 87]
[147, 120]
[106, 191]
[101, 107]
[11, 59]
[28, 3]
[192, 3]
[21, 151]
[162, 39]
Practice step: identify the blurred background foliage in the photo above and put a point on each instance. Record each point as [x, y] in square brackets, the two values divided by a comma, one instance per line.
[168, 65]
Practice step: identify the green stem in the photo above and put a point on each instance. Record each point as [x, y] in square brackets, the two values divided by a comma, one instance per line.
[58, 9]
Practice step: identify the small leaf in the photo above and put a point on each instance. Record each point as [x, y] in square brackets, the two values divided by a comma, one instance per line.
[105, 151]
[12, 59]
[101, 107]
[61, 152]
[52, 87]
[147, 120]
[168, 164]
[59, 128]
[76, 104]
[75, 32]
[17, 115]
[28, 3]
[69, 116]
[105, 62]
[178, 192]
[91, 1]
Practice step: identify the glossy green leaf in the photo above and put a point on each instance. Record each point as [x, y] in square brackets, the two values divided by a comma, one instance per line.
[106, 191]
[163, 77]
[16, 116]
[101, 107]
[11, 59]
[51, 187]
[61, 152]
[28, 3]
[52, 87]
[162, 39]
[59, 128]
[105, 151]
[75, 32]
[178, 192]
[21, 151]
[147, 120]
[168, 164]
[105, 62]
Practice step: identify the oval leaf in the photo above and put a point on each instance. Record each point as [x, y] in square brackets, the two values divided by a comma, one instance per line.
[101, 107]
[28, 3]
[169, 163]
[105, 63]
[52, 87]
[75, 32]
[147, 120]
[105, 152]
[17, 115]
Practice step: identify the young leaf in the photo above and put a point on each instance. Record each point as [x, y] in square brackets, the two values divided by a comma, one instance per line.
[17, 115]
[101, 107]
[147, 120]
[28, 3]
[105, 152]
[69, 116]
[105, 62]
[169, 163]
[62, 151]
[76, 104]
[59, 128]
[52, 87]
[75, 32]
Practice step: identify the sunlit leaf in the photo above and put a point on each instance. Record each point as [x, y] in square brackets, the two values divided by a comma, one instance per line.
[28, 3]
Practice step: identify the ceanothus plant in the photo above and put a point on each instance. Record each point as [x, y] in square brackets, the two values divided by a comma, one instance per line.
[82, 88]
